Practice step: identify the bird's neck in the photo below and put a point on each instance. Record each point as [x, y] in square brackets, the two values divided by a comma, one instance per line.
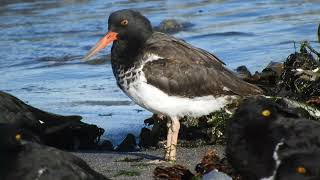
[127, 52]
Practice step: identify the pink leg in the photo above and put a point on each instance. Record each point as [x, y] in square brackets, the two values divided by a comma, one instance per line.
[173, 125]
[169, 138]
[174, 138]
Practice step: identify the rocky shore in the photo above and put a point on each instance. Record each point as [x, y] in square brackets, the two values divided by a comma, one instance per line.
[293, 85]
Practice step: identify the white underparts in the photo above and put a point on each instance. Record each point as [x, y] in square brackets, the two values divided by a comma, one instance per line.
[277, 161]
[157, 101]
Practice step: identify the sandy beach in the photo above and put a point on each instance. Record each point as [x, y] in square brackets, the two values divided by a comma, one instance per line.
[136, 165]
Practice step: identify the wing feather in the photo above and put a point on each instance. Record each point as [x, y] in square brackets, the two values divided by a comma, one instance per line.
[185, 70]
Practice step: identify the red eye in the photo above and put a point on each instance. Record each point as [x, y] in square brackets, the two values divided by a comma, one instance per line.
[124, 22]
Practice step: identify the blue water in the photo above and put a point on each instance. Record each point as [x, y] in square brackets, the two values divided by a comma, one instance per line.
[42, 42]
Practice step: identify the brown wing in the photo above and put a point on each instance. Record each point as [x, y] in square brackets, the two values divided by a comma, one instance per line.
[171, 48]
[194, 80]
[188, 71]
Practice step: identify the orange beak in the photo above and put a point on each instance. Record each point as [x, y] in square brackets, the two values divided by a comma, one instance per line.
[102, 43]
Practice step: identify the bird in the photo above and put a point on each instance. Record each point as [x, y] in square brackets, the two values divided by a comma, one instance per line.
[24, 160]
[166, 75]
[267, 140]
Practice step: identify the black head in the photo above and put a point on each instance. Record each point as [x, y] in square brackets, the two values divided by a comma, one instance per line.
[10, 137]
[127, 25]
[304, 166]
[253, 134]
[259, 113]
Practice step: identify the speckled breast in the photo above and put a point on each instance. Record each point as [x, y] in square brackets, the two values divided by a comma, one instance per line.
[125, 76]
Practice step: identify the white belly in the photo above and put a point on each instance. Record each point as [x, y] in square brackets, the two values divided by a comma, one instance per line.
[157, 101]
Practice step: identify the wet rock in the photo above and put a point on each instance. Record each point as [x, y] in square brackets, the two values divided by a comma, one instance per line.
[106, 145]
[75, 136]
[300, 78]
[271, 73]
[147, 138]
[172, 26]
[64, 132]
[267, 79]
[243, 73]
[275, 67]
[128, 144]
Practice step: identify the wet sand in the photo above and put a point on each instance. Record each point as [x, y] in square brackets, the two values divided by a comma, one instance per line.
[116, 165]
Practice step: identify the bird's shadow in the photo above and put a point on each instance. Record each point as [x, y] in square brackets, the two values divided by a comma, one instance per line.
[137, 154]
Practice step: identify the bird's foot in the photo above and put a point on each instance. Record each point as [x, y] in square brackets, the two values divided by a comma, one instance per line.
[170, 155]
[167, 153]
[170, 158]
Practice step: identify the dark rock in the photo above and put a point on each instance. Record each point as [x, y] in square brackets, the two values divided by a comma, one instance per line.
[275, 67]
[75, 136]
[266, 79]
[147, 139]
[65, 132]
[271, 73]
[243, 73]
[106, 145]
[128, 144]
[172, 26]
[150, 121]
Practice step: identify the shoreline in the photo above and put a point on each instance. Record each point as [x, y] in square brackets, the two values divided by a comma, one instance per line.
[136, 165]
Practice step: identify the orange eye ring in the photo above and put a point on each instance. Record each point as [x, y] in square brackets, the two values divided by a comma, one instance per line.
[124, 22]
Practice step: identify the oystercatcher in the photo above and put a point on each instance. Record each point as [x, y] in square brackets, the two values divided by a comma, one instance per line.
[270, 141]
[25, 160]
[166, 75]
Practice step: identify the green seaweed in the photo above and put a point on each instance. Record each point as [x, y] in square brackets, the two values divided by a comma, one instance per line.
[127, 173]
